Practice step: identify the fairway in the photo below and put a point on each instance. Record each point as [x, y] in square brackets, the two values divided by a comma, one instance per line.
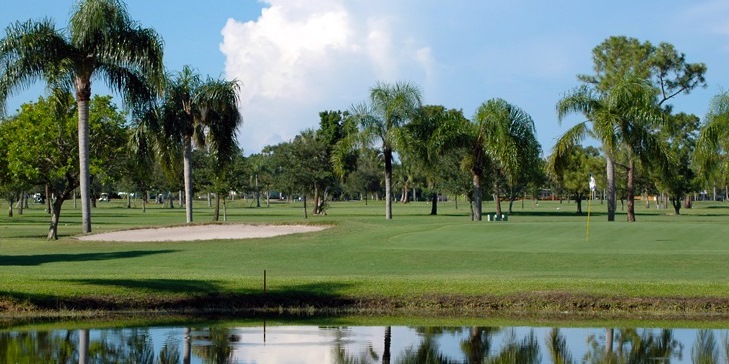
[540, 255]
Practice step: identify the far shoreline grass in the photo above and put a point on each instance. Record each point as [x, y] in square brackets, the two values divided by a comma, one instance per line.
[538, 264]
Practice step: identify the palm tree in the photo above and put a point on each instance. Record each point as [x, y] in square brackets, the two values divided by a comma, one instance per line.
[705, 349]
[619, 120]
[201, 113]
[430, 138]
[510, 142]
[557, 345]
[501, 139]
[100, 41]
[391, 107]
[713, 143]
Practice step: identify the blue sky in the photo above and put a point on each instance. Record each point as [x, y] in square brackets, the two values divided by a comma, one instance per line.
[298, 57]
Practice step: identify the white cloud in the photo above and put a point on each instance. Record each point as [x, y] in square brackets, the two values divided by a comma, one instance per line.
[301, 57]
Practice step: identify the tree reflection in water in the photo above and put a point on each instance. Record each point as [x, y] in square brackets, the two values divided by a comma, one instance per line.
[352, 345]
[557, 345]
[214, 345]
[632, 347]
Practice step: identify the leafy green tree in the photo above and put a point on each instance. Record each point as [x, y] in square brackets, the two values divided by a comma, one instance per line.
[662, 67]
[573, 171]
[259, 170]
[40, 148]
[680, 141]
[221, 181]
[11, 187]
[196, 112]
[100, 41]
[365, 179]
[334, 126]
[310, 166]
[391, 107]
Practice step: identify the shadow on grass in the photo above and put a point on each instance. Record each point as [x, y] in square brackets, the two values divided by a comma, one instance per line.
[561, 212]
[174, 294]
[32, 260]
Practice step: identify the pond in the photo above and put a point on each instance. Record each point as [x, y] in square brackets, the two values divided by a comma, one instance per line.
[225, 343]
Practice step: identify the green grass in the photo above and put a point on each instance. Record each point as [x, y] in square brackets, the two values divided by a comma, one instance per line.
[428, 262]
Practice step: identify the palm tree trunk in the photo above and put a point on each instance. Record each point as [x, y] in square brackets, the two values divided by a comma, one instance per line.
[83, 93]
[388, 343]
[388, 183]
[610, 172]
[83, 346]
[609, 344]
[188, 177]
[476, 214]
[631, 191]
[186, 347]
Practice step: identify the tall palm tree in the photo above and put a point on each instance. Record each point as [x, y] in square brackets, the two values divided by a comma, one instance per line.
[203, 113]
[510, 142]
[619, 120]
[391, 107]
[102, 42]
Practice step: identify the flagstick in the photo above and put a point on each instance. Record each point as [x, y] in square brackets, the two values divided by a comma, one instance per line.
[593, 187]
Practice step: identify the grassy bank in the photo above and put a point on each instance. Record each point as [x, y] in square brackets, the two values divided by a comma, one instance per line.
[539, 262]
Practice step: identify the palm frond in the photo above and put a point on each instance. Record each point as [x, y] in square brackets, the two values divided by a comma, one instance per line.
[582, 100]
[558, 159]
[94, 21]
[30, 51]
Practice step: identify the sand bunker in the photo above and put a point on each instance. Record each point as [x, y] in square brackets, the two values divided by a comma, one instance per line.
[203, 232]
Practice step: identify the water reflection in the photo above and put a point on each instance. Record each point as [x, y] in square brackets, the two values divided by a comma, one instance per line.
[341, 344]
